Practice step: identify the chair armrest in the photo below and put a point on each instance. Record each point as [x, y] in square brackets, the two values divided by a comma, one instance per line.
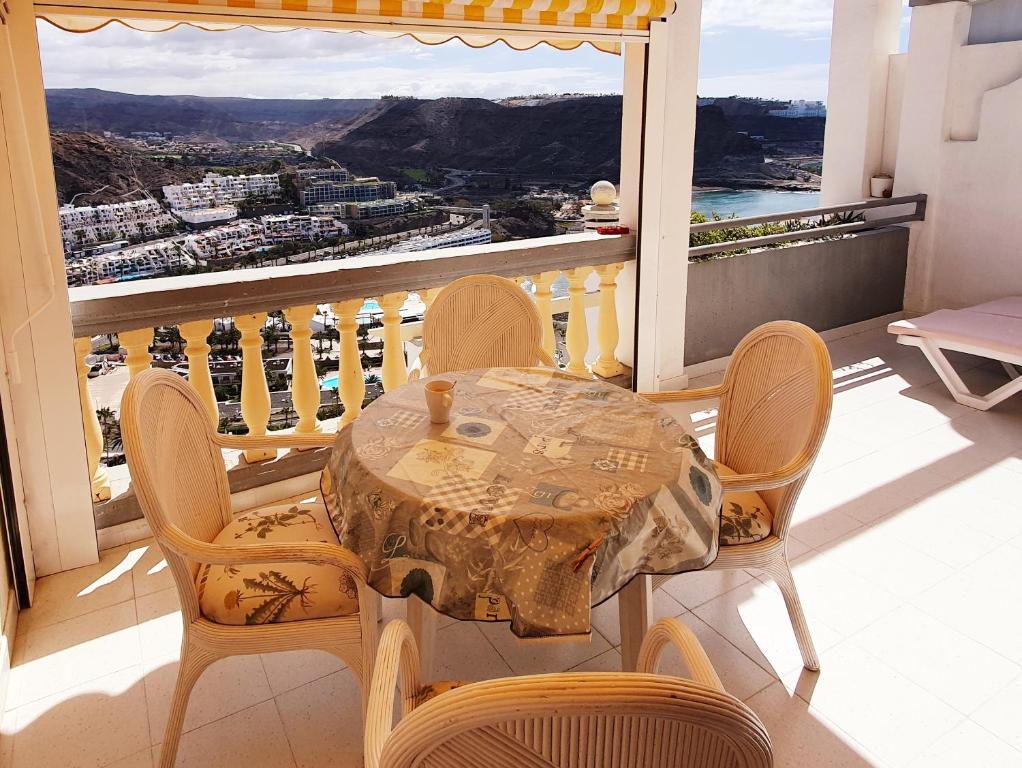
[765, 481]
[397, 660]
[673, 632]
[318, 552]
[279, 441]
[705, 393]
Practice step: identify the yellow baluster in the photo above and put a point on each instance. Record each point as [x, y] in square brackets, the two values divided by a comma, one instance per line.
[543, 281]
[304, 382]
[352, 384]
[255, 393]
[606, 328]
[137, 343]
[428, 295]
[93, 432]
[195, 334]
[395, 372]
[577, 337]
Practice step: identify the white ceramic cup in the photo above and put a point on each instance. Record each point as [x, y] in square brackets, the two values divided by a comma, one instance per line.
[439, 399]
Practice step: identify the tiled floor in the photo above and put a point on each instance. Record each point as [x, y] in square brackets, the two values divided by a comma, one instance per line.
[906, 547]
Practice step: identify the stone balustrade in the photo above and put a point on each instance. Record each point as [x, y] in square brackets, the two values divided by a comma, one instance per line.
[132, 312]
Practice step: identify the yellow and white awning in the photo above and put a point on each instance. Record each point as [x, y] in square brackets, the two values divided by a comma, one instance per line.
[519, 23]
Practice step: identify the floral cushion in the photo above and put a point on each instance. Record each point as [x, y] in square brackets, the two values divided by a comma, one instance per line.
[267, 593]
[745, 516]
[436, 688]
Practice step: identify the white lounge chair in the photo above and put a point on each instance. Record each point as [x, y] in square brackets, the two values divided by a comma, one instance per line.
[992, 330]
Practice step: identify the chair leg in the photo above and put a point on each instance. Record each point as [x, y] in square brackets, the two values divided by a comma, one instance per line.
[780, 572]
[193, 664]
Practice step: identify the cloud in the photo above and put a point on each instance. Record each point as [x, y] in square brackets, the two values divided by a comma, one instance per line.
[310, 64]
[793, 17]
[805, 81]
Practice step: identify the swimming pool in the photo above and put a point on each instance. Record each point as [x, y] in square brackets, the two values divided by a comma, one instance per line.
[330, 382]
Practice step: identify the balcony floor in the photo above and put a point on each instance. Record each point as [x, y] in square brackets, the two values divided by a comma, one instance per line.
[905, 544]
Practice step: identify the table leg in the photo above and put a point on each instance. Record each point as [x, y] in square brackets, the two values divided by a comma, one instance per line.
[634, 604]
[423, 619]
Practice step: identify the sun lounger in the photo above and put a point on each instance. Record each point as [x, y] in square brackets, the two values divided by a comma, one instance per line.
[992, 330]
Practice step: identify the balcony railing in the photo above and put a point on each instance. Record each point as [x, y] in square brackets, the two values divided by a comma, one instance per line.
[133, 309]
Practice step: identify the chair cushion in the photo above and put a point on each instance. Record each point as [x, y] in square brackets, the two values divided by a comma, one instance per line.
[436, 688]
[744, 517]
[267, 593]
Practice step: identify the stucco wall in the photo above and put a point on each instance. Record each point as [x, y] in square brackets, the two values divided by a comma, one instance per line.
[824, 285]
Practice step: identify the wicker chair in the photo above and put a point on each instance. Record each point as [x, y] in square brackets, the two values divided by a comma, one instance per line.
[481, 321]
[775, 404]
[282, 561]
[587, 720]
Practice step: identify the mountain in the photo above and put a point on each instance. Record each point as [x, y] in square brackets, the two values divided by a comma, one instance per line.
[226, 118]
[566, 139]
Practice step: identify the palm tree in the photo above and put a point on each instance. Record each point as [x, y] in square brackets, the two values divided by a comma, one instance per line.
[287, 410]
[110, 428]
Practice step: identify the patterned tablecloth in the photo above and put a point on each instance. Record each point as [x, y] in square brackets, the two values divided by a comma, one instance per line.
[543, 496]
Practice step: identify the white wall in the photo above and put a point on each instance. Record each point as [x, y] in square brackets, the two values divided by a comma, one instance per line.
[959, 144]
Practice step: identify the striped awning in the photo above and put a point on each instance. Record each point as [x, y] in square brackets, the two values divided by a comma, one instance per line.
[519, 23]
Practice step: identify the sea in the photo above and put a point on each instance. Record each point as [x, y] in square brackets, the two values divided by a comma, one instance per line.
[752, 202]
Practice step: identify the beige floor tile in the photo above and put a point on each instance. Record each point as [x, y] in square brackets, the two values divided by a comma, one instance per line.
[228, 686]
[976, 604]
[837, 597]
[802, 737]
[967, 745]
[837, 451]
[143, 759]
[955, 669]
[878, 557]
[160, 627]
[741, 676]
[995, 428]
[532, 657]
[292, 669]
[464, 653]
[323, 722]
[988, 502]
[999, 715]
[816, 522]
[866, 489]
[695, 588]
[754, 619]
[91, 725]
[944, 450]
[894, 418]
[608, 661]
[55, 657]
[882, 710]
[69, 594]
[605, 617]
[151, 573]
[252, 738]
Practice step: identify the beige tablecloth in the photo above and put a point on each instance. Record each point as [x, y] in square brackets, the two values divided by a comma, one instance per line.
[543, 496]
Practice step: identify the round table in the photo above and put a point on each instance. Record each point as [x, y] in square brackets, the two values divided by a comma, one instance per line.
[545, 494]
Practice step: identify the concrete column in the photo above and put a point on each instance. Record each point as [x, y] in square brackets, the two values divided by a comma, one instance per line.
[668, 147]
[938, 31]
[864, 36]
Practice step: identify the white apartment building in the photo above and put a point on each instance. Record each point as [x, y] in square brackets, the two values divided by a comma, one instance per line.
[322, 174]
[99, 223]
[470, 236]
[215, 190]
[225, 242]
[288, 228]
[801, 108]
[150, 260]
[200, 216]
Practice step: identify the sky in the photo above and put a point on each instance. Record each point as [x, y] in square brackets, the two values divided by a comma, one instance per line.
[767, 48]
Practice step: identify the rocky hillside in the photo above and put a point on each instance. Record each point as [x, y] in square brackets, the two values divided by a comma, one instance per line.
[83, 162]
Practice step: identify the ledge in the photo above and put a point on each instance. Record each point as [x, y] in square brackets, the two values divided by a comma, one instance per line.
[127, 306]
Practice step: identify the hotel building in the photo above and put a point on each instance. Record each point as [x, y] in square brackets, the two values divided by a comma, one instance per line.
[92, 224]
[215, 190]
[225, 242]
[289, 228]
[150, 260]
[356, 191]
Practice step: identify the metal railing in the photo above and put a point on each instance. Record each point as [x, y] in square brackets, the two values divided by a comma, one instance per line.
[918, 203]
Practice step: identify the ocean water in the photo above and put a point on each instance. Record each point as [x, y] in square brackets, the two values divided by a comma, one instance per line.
[752, 202]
